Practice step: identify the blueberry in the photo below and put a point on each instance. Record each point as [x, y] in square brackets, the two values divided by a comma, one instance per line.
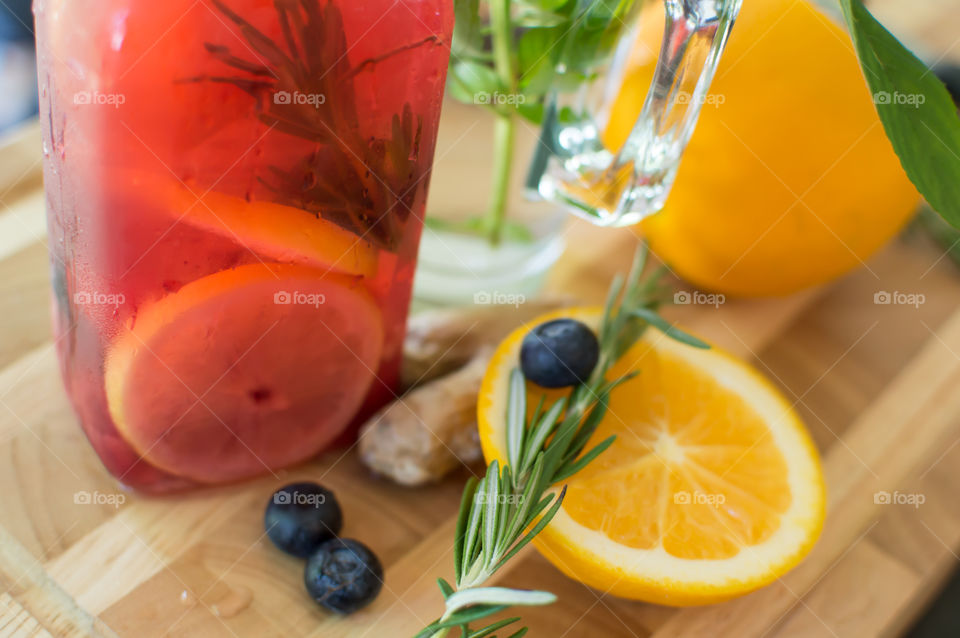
[301, 516]
[343, 575]
[559, 353]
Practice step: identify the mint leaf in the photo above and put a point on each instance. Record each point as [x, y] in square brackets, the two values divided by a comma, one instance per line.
[532, 111]
[467, 35]
[917, 113]
[473, 83]
[536, 60]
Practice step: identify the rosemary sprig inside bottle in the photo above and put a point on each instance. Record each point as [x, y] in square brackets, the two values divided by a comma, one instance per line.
[364, 184]
[513, 502]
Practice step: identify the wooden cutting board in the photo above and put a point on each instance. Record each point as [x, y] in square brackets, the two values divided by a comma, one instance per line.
[877, 385]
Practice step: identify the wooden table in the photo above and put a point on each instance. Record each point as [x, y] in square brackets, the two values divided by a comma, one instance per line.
[876, 384]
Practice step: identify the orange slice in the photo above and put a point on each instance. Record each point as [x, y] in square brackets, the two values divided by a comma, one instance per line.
[712, 489]
[273, 231]
[244, 371]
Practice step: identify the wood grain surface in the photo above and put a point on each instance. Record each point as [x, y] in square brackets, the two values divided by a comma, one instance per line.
[876, 384]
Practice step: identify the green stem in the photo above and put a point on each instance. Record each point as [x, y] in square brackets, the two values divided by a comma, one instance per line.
[502, 40]
[500, 184]
[474, 576]
[501, 33]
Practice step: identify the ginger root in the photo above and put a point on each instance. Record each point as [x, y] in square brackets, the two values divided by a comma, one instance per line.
[422, 436]
[432, 429]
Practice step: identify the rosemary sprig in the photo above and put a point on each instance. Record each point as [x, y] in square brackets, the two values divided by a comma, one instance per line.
[365, 184]
[512, 503]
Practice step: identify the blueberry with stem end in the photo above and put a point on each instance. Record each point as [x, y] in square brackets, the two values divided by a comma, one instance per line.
[302, 516]
[343, 575]
[559, 353]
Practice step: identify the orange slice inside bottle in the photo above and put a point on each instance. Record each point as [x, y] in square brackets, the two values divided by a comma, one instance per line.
[244, 371]
[272, 231]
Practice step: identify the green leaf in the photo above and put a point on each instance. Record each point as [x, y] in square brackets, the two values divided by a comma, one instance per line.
[541, 430]
[540, 506]
[917, 112]
[466, 616]
[669, 329]
[462, 521]
[532, 111]
[489, 629]
[593, 36]
[516, 231]
[473, 83]
[547, 5]
[538, 411]
[536, 529]
[613, 293]
[490, 509]
[554, 454]
[467, 36]
[536, 54]
[429, 630]
[473, 528]
[504, 508]
[445, 587]
[566, 472]
[498, 596]
[591, 422]
[521, 518]
[516, 415]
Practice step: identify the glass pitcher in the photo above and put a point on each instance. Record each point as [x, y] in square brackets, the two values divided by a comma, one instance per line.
[235, 193]
[619, 187]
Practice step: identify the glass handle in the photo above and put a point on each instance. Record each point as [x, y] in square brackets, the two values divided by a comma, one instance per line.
[620, 188]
